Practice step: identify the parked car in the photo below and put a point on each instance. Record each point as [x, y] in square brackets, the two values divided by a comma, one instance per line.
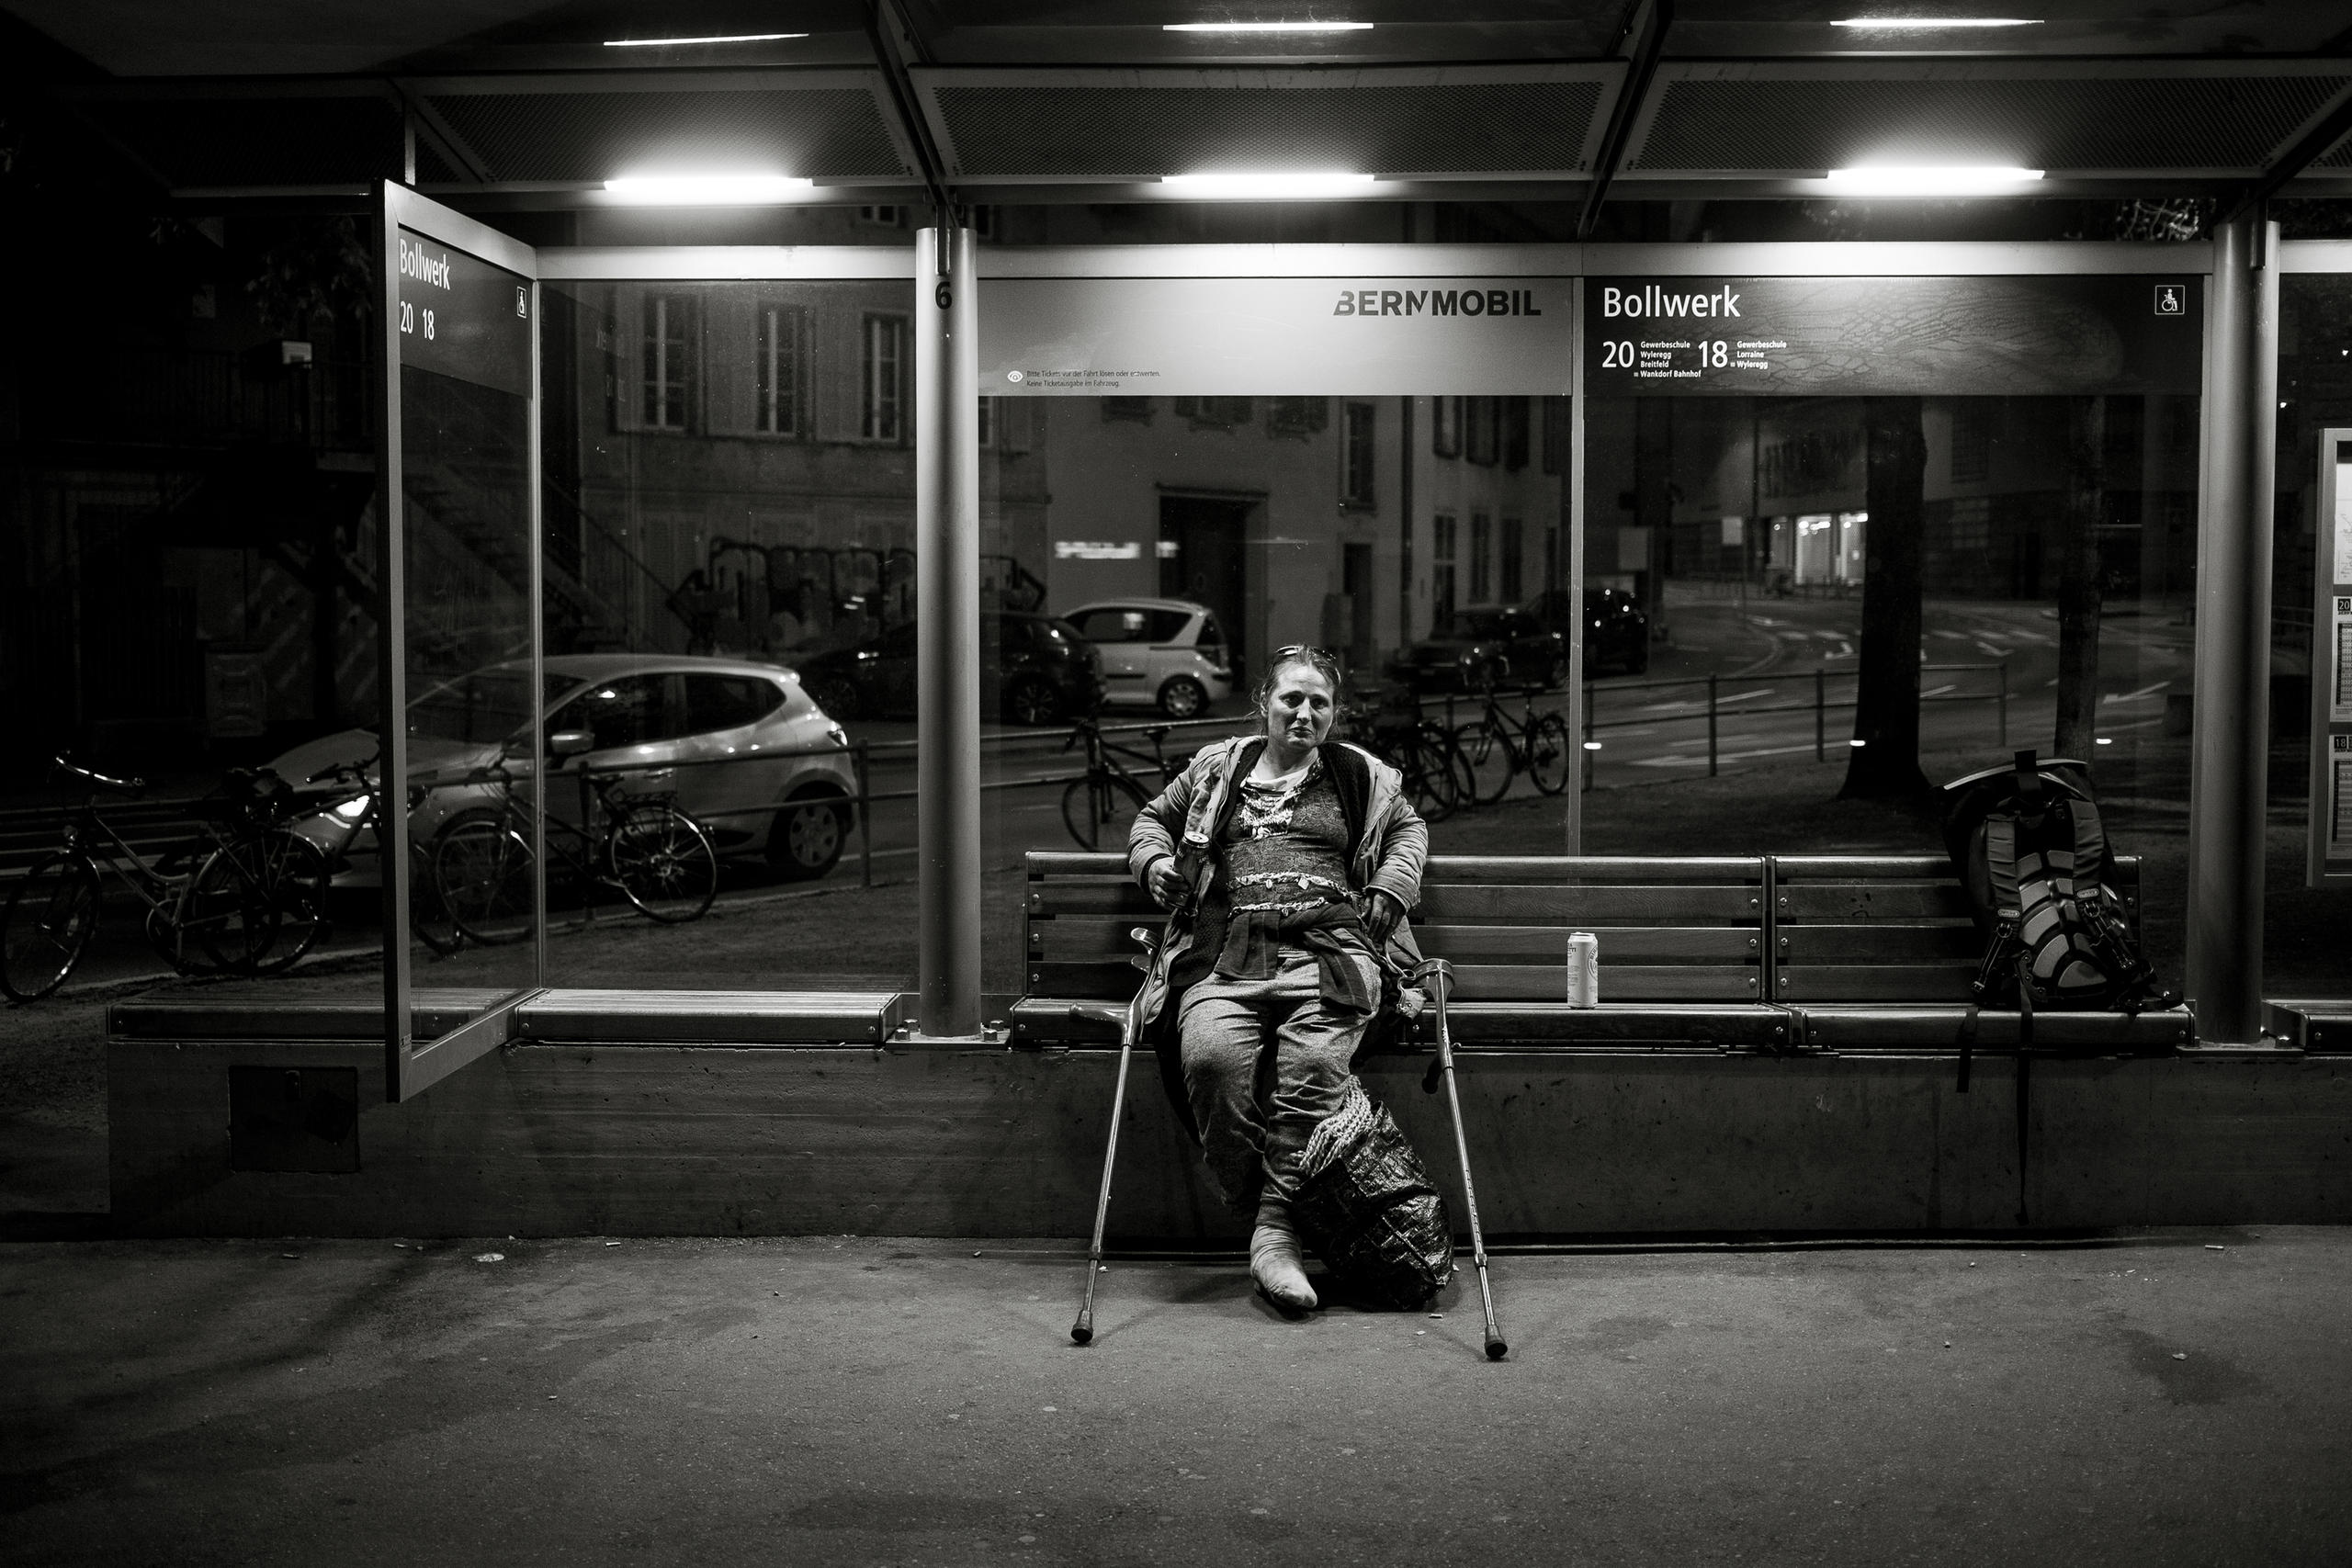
[1033, 670]
[1164, 653]
[1481, 648]
[752, 757]
[1616, 632]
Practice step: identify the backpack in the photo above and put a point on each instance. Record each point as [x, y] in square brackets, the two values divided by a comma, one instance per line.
[2033, 855]
[2029, 850]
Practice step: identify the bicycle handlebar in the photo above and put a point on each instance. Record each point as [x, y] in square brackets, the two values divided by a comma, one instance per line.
[127, 787]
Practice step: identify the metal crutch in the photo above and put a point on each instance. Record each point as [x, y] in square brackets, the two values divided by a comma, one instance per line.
[1130, 1022]
[1439, 970]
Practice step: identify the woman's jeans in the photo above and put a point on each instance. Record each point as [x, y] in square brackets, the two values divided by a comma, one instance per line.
[1264, 1061]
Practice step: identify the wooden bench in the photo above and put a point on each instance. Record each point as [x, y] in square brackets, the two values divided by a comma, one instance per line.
[1682, 947]
[1776, 954]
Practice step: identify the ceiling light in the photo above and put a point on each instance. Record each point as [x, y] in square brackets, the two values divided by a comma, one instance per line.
[1931, 179]
[721, 37]
[1263, 187]
[1265, 27]
[707, 190]
[1932, 24]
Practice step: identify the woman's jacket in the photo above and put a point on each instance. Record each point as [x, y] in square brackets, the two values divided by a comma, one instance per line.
[1387, 843]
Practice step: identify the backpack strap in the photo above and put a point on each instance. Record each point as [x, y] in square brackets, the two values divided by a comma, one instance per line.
[2001, 864]
[2091, 850]
[2025, 1074]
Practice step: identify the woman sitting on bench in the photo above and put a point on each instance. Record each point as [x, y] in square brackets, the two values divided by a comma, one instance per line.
[1288, 861]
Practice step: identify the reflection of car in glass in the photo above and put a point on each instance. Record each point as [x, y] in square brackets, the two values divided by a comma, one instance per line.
[1167, 653]
[1482, 647]
[763, 768]
[1033, 670]
[1616, 633]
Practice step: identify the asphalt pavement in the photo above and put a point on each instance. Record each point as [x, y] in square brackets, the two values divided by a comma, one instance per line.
[2172, 1397]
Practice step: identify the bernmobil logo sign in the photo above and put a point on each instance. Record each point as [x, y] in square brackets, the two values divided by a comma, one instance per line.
[1651, 300]
[1436, 302]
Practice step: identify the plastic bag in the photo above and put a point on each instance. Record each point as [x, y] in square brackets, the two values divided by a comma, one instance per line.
[1368, 1208]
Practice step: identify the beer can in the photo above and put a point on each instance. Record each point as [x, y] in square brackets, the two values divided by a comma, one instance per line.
[1584, 970]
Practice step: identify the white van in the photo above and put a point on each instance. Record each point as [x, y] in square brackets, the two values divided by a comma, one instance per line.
[1164, 653]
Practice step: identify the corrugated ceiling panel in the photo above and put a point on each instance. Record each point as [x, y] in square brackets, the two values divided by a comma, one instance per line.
[260, 141]
[2055, 123]
[821, 133]
[1142, 132]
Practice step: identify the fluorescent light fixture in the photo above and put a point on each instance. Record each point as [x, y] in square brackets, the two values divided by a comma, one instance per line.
[1931, 179]
[1263, 187]
[1265, 27]
[707, 190]
[1932, 24]
[719, 38]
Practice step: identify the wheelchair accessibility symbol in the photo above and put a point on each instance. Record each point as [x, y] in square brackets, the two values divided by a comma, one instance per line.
[2172, 298]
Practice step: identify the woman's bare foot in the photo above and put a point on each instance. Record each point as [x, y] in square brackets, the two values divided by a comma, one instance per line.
[1276, 1263]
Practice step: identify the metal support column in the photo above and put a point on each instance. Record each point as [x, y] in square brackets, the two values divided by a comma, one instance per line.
[2228, 767]
[947, 632]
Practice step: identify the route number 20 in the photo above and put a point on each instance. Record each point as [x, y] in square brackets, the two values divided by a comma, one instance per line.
[1616, 354]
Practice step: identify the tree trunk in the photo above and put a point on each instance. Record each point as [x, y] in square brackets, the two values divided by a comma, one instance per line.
[1885, 764]
[2079, 600]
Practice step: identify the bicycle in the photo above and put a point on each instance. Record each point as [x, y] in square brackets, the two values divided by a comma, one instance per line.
[1104, 804]
[1498, 747]
[326, 852]
[659, 858]
[210, 903]
[1386, 721]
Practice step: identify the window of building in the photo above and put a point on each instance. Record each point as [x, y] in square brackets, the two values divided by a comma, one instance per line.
[885, 217]
[1515, 423]
[783, 369]
[889, 372]
[1442, 541]
[1555, 435]
[1446, 426]
[668, 360]
[1551, 557]
[1514, 587]
[1971, 441]
[1297, 417]
[1481, 433]
[988, 424]
[1482, 558]
[1217, 413]
[1356, 459]
[1135, 409]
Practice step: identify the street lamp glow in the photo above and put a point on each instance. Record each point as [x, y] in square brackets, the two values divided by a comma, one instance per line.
[707, 190]
[1265, 27]
[1931, 179]
[719, 38]
[1932, 24]
[1265, 187]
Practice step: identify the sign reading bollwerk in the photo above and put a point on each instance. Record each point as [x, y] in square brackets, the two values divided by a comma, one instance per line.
[1988, 336]
[1274, 337]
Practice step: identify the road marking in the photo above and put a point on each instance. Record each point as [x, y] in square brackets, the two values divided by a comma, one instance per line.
[2135, 696]
[1939, 691]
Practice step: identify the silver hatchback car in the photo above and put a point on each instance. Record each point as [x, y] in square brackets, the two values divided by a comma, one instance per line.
[746, 751]
[1166, 653]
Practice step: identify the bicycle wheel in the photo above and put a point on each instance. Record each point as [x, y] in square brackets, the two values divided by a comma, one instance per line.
[47, 926]
[1550, 754]
[260, 904]
[482, 871]
[428, 919]
[1452, 767]
[228, 911]
[1487, 752]
[1429, 776]
[1099, 810]
[663, 862]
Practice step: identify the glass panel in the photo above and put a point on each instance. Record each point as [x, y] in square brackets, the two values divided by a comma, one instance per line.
[729, 599]
[1805, 612]
[465, 439]
[2307, 935]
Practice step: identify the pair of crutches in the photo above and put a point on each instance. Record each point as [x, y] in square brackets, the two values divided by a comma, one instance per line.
[1130, 1022]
